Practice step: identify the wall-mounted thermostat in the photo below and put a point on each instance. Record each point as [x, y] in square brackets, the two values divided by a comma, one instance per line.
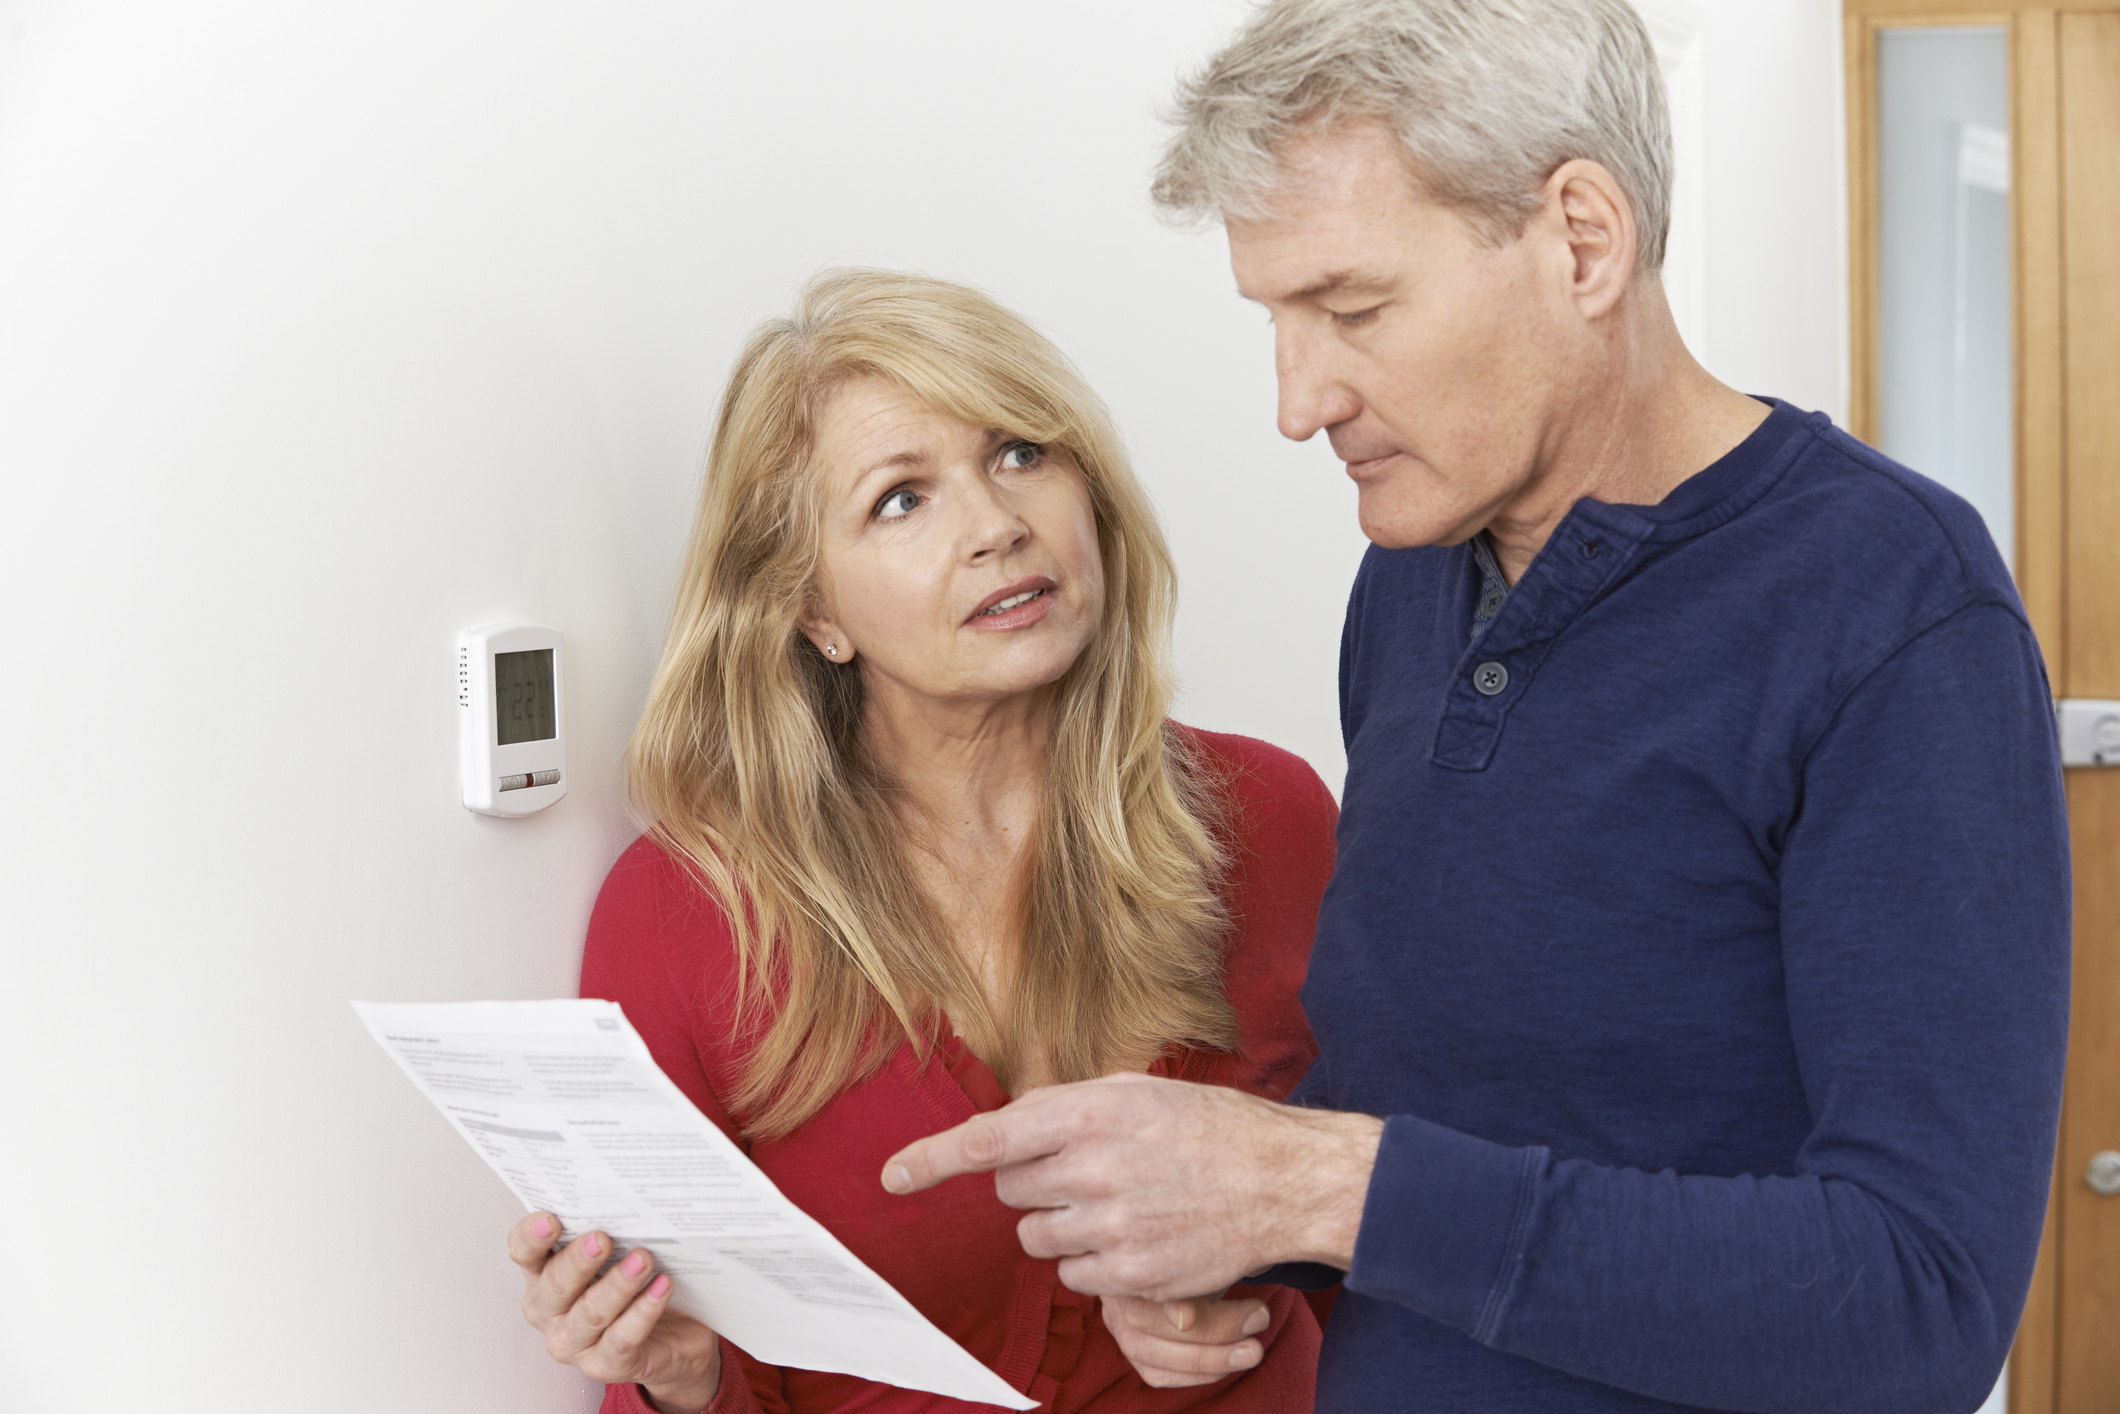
[514, 723]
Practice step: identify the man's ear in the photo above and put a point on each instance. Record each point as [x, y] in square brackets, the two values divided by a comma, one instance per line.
[1585, 204]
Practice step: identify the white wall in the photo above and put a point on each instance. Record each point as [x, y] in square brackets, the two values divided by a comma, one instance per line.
[1775, 227]
[328, 329]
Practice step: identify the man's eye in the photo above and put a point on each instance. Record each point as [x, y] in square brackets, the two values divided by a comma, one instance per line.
[899, 502]
[1356, 318]
[1017, 455]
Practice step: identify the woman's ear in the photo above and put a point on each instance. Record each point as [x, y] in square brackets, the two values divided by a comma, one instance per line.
[1587, 207]
[828, 637]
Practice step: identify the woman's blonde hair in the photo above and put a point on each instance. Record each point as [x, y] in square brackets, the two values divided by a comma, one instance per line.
[750, 761]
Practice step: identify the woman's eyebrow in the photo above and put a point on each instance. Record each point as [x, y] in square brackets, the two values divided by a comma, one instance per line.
[995, 436]
[887, 471]
[895, 459]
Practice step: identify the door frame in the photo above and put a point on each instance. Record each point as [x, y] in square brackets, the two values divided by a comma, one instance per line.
[2035, 258]
[2037, 370]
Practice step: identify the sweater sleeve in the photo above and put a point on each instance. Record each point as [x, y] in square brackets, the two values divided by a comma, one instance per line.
[747, 1387]
[660, 948]
[1925, 939]
[736, 1395]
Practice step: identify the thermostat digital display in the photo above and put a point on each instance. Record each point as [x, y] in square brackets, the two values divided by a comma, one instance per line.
[522, 697]
[512, 734]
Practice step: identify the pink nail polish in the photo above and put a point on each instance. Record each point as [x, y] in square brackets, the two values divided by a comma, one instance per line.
[636, 1264]
[590, 1246]
[543, 1228]
[659, 1287]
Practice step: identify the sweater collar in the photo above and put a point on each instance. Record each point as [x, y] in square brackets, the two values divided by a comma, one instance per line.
[1723, 489]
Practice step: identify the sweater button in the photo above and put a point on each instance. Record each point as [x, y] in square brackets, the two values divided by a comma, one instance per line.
[1490, 678]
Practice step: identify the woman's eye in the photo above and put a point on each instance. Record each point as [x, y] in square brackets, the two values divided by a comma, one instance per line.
[1356, 318]
[898, 503]
[1018, 455]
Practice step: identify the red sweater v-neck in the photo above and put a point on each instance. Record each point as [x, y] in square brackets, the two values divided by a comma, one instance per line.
[660, 947]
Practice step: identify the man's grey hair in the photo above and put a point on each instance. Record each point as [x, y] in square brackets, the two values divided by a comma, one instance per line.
[1488, 97]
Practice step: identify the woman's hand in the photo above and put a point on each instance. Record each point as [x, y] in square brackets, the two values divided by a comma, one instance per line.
[618, 1328]
[1173, 1343]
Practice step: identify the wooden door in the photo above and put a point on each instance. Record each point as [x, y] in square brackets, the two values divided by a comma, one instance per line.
[2065, 196]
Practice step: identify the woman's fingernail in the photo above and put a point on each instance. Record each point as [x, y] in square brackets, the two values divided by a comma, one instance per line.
[635, 1264]
[897, 1178]
[1244, 1356]
[542, 1227]
[590, 1246]
[659, 1287]
[1256, 1321]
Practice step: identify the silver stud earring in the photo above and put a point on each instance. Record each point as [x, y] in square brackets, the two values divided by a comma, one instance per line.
[831, 650]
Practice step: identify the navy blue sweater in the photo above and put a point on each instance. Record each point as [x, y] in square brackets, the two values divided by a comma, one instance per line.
[1713, 971]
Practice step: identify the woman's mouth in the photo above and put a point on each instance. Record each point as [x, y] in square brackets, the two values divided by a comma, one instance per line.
[1018, 605]
[1011, 602]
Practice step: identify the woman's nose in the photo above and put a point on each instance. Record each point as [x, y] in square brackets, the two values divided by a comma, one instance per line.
[993, 525]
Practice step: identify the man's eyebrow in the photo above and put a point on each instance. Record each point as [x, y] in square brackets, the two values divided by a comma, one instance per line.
[1340, 282]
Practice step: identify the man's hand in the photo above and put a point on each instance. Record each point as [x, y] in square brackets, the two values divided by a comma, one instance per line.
[1159, 1188]
[1175, 1343]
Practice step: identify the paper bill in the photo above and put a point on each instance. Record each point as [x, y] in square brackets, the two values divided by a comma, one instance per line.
[564, 1101]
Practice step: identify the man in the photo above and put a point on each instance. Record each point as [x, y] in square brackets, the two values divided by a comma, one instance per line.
[1691, 992]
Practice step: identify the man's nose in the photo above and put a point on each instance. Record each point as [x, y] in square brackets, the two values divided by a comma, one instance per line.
[1313, 396]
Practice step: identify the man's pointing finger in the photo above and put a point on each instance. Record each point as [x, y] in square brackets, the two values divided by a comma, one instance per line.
[979, 1145]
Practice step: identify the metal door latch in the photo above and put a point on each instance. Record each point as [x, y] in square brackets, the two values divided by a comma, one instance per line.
[2104, 1174]
[2090, 732]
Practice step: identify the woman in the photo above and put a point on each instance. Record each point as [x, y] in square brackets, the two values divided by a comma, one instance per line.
[924, 840]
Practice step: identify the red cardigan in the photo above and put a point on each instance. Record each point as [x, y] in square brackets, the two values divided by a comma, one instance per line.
[660, 947]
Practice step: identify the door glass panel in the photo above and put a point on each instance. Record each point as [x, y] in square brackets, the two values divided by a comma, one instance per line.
[1943, 262]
